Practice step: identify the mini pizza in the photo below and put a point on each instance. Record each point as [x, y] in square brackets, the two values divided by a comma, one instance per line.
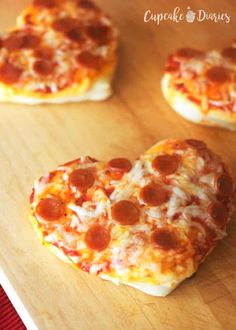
[59, 51]
[201, 87]
[147, 224]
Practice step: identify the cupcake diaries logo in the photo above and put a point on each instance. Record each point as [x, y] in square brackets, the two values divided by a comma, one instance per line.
[190, 16]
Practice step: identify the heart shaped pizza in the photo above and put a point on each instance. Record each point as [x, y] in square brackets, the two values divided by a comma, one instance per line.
[59, 51]
[201, 87]
[148, 224]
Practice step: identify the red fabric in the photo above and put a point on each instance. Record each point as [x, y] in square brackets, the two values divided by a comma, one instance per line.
[9, 319]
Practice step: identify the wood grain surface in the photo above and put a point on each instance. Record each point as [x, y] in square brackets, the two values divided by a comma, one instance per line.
[36, 139]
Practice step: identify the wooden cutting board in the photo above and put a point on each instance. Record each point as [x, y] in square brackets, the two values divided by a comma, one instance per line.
[50, 294]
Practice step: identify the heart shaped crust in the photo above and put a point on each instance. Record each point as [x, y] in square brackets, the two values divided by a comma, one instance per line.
[59, 51]
[201, 86]
[148, 224]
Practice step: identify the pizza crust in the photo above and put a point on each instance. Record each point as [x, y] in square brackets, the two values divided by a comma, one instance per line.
[153, 290]
[99, 90]
[191, 111]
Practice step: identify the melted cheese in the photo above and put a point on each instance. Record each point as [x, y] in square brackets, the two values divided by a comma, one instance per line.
[130, 257]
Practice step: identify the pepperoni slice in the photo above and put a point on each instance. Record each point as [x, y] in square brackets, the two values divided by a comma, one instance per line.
[196, 144]
[45, 3]
[224, 185]
[188, 52]
[82, 179]
[125, 212]
[13, 42]
[43, 67]
[65, 24]
[50, 209]
[97, 238]
[1, 43]
[218, 74]
[230, 53]
[87, 4]
[99, 33]
[44, 53]
[218, 213]
[89, 60]
[164, 239]
[120, 164]
[166, 164]
[76, 35]
[153, 194]
[9, 73]
[16, 41]
[30, 41]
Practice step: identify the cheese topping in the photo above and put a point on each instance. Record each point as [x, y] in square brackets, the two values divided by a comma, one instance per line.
[146, 224]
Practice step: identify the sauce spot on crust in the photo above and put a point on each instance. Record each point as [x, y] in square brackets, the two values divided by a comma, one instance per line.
[153, 194]
[120, 164]
[82, 179]
[164, 239]
[125, 212]
[50, 209]
[218, 74]
[166, 164]
[9, 73]
[97, 238]
[218, 213]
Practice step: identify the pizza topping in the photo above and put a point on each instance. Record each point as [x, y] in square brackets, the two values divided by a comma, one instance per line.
[230, 53]
[9, 73]
[12, 42]
[164, 239]
[153, 194]
[44, 53]
[125, 212]
[217, 74]
[76, 35]
[16, 41]
[188, 52]
[43, 67]
[65, 24]
[99, 33]
[224, 185]
[97, 238]
[120, 164]
[89, 60]
[82, 179]
[196, 144]
[218, 213]
[30, 41]
[45, 3]
[87, 4]
[166, 164]
[50, 209]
